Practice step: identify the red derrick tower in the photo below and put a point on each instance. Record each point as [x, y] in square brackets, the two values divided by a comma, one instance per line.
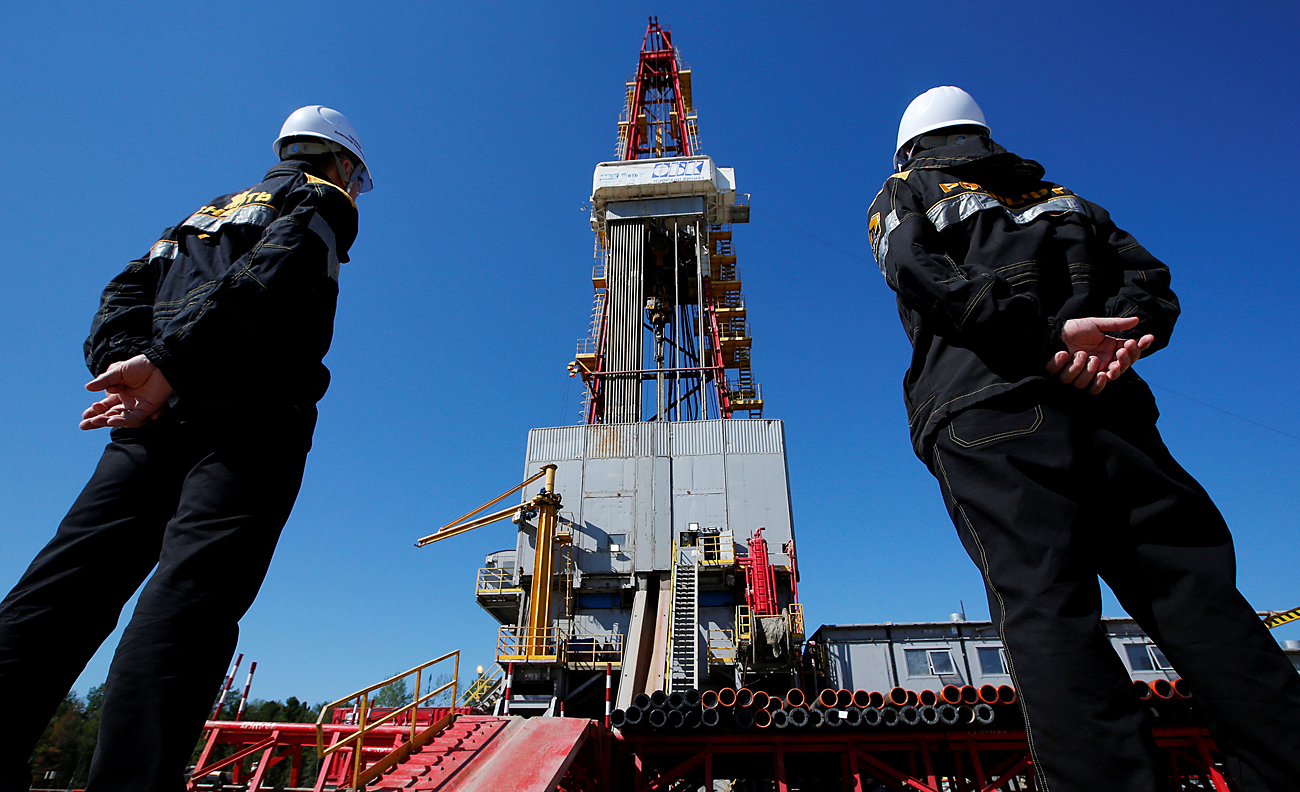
[665, 264]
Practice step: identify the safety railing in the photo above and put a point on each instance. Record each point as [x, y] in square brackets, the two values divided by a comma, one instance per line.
[744, 391]
[482, 686]
[361, 699]
[593, 649]
[744, 624]
[497, 580]
[518, 643]
[795, 615]
[722, 646]
[732, 327]
[693, 129]
[730, 300]
[716, 549]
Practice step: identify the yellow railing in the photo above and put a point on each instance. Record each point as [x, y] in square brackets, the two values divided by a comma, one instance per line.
[480, 687]
[744, 625]
[722, 646]
[717, 549]
[516, 643]
[594, 649]
[496, 580]
[796, 619]
[672, 606]
[364, 775]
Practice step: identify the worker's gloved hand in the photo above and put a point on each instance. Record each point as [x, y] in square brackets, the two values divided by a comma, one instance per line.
[137, 393]
[1094, 358]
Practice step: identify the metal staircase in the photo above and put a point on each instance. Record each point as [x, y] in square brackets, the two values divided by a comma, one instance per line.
[684, 649]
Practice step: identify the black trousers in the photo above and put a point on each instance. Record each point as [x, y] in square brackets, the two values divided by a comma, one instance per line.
[203, 502]
[1051, 489]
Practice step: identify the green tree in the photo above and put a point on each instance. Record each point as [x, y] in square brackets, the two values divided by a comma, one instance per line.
[394, 694]
[443, 699]
[61, 757]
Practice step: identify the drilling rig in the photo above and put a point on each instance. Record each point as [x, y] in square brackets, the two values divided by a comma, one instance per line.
[669, 560]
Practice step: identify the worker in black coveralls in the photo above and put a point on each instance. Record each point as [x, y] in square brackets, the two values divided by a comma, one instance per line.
[1026, 307]
[209, 348]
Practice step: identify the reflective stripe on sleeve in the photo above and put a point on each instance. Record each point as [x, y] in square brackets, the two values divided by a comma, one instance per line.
[163, 249]
[881, 242]
[322, 229]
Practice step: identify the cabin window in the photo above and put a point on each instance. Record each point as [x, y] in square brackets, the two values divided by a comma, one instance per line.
[928, 662]
[1139, 659]
[992, 660]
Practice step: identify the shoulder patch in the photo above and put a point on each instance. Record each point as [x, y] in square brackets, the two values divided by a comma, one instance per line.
[900, 175]
[314, 180]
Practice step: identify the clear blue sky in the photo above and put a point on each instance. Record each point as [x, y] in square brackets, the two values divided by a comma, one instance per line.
[470, 280]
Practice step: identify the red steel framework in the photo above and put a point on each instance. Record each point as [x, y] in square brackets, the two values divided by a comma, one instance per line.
[658, 89]
[912, 760]
[657, 122]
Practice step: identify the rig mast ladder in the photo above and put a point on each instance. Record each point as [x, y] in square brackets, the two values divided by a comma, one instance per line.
[683, 662]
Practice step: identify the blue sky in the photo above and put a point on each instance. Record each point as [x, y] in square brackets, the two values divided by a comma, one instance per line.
[469, 283]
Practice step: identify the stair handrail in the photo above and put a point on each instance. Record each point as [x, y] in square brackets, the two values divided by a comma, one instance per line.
[481, 687]
[362, 776]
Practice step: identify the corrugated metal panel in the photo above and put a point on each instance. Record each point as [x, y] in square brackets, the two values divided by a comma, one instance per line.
[556, 443]
[645, 439]
[692, 438]
[757, 436]
[625, 307]
[654, 438]
[612, 441]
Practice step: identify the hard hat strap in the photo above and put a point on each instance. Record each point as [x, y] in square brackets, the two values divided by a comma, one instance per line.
[357, 169]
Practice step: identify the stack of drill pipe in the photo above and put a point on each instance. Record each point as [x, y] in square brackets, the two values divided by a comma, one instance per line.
[661, 710]
[1169, 701]
[953, 706]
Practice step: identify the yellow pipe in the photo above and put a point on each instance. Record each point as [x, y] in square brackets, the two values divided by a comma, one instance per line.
[415, 700]
[361, 730]
[539, 604]
[453, 530]
[466, 516]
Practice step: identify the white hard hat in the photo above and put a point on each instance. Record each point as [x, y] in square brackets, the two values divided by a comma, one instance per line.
[937, 108]
[322, 122]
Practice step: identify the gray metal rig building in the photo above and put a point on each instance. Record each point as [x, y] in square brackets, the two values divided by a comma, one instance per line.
[928, 655]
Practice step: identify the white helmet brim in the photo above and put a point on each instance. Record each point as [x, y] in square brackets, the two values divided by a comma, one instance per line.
[318, 121]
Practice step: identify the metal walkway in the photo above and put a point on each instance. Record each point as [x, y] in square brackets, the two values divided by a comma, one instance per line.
[684, 657]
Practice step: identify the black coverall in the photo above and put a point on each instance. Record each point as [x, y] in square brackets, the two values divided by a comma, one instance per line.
[1050, 487]
[236, 307]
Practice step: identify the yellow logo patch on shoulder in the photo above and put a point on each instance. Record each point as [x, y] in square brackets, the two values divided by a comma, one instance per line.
[240, 199]
[901, 175]
[315, 180]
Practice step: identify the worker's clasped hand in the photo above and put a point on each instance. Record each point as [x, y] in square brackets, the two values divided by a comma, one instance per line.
[1093, 358]
[137, 394]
